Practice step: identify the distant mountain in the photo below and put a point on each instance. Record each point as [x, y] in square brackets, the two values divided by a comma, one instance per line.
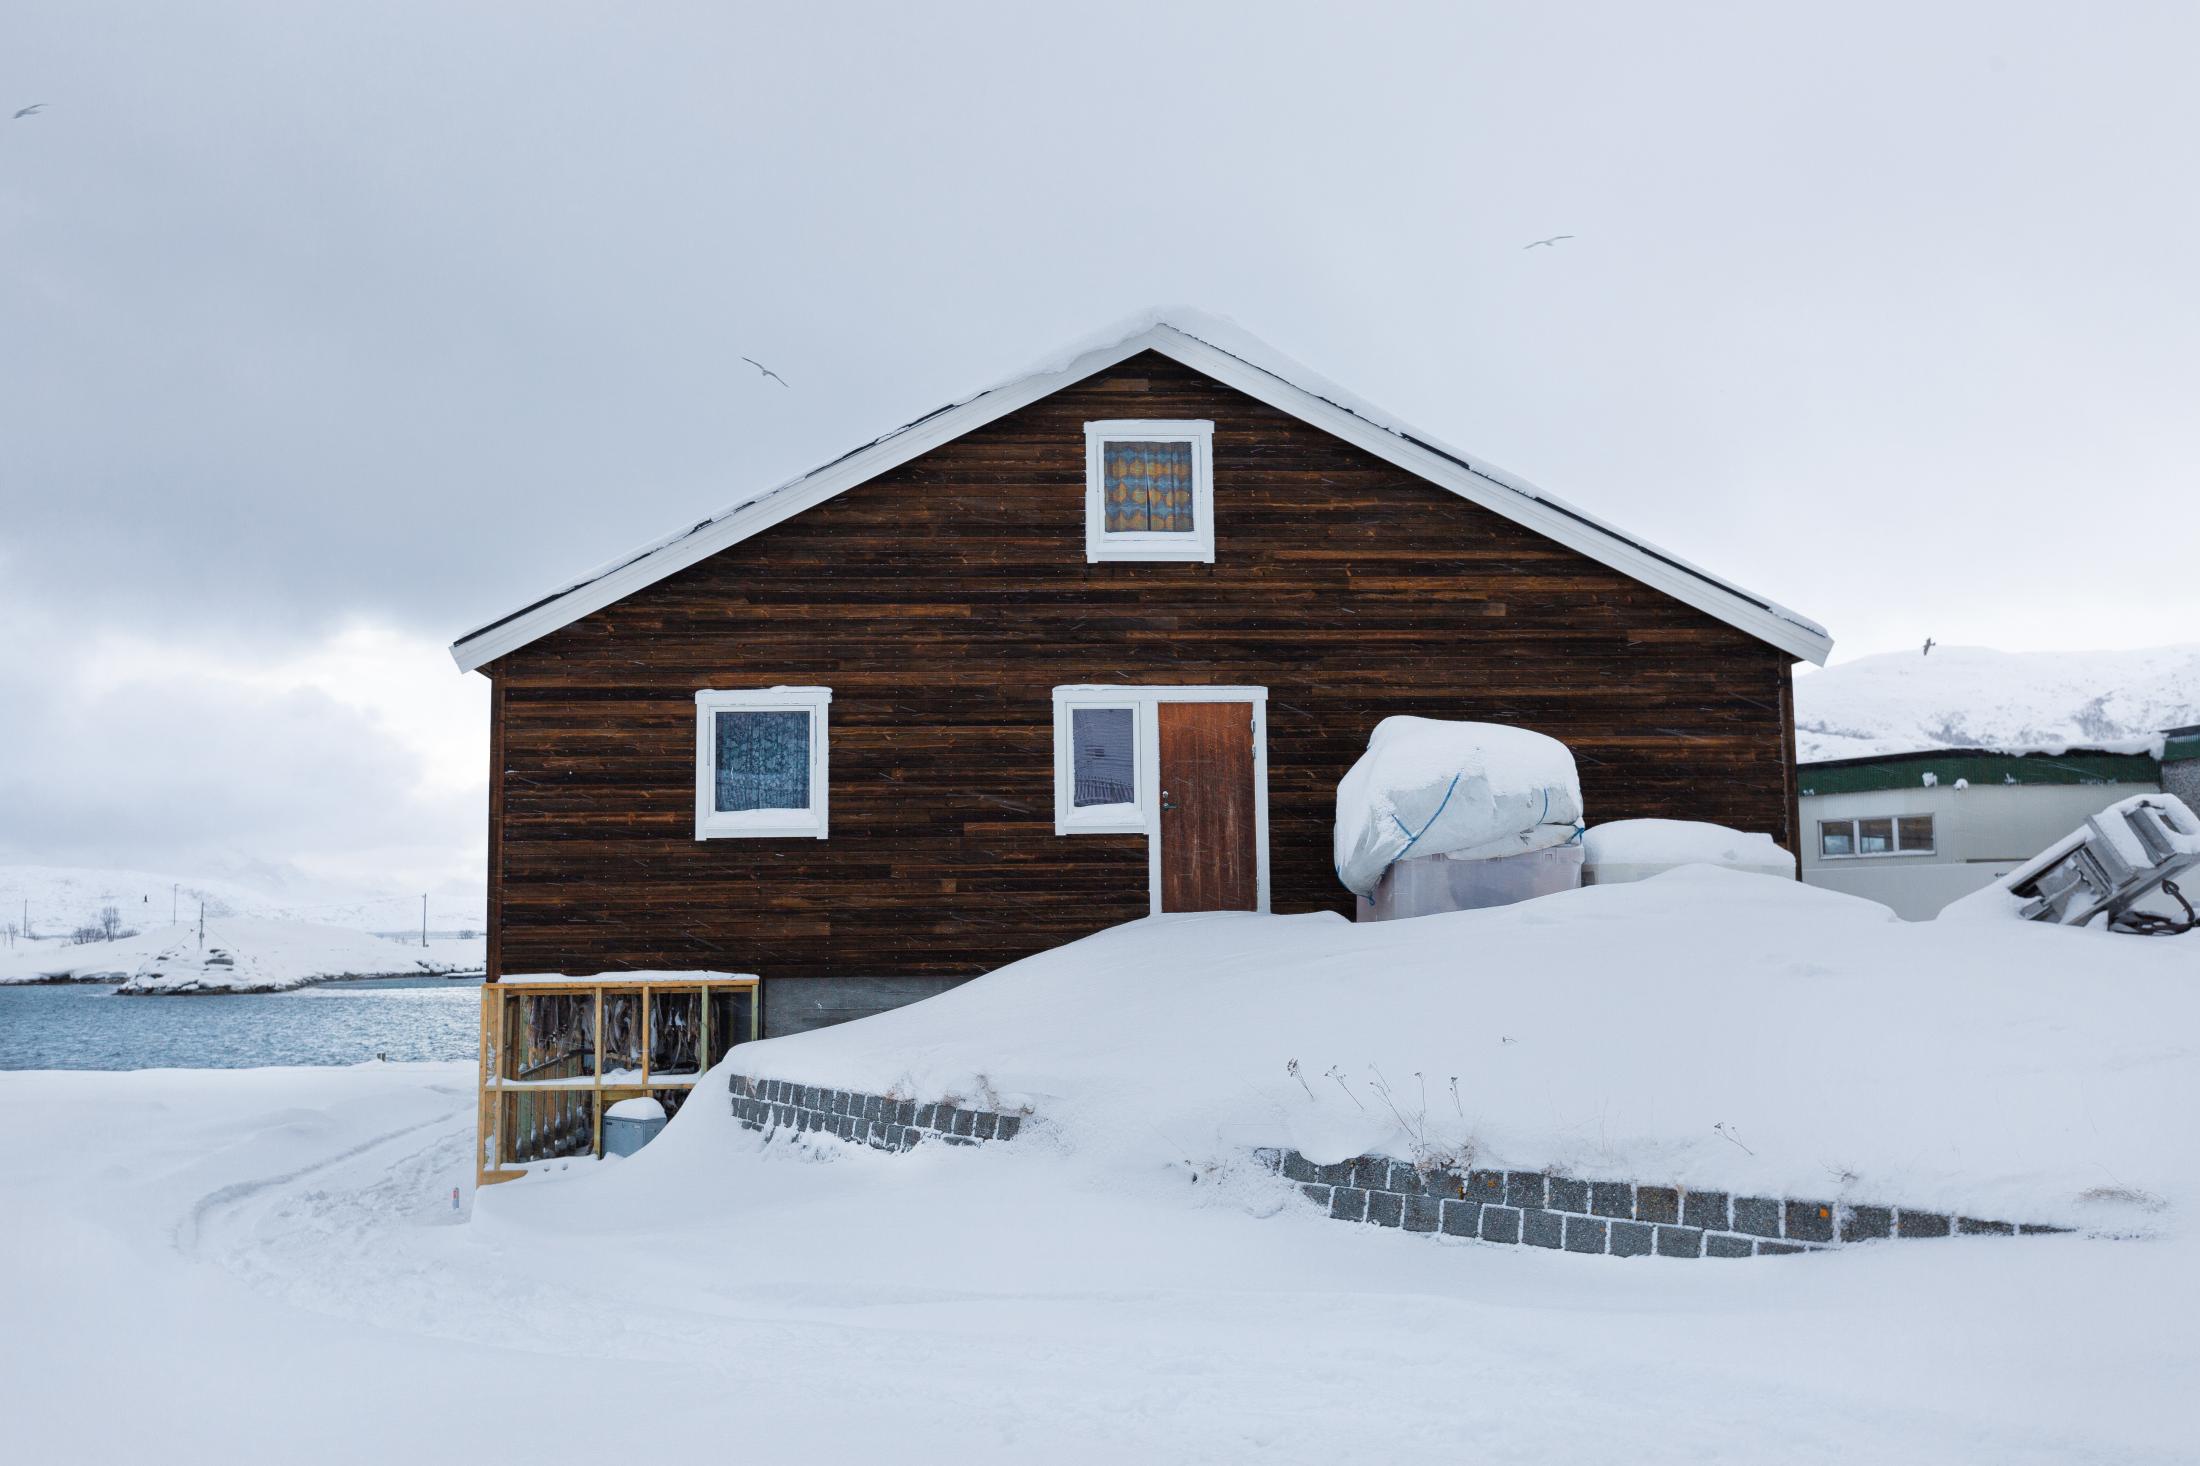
[1975, 697]
[62, 897]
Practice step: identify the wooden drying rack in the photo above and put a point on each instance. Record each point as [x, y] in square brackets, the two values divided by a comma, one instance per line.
[508, 1096]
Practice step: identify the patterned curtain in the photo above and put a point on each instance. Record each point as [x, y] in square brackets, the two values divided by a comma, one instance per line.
[763, 761]
[1148, 487]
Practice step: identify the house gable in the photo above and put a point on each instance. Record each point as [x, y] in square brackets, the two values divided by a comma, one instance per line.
[1226, 357]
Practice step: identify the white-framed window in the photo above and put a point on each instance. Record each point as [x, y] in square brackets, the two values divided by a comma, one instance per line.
[1099, 765]
[1902, 834]
[760, 770]
[1149, 491]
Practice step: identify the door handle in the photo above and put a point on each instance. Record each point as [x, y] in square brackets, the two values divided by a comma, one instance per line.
[1165, 805]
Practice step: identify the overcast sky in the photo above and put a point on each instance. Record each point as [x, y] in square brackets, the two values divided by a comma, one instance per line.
[327, 332]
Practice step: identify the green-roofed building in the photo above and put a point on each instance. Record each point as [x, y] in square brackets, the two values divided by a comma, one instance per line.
[1915, 831]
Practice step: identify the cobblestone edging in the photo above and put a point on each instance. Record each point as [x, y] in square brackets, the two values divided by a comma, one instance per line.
[1617, 1218]
[875, 1120]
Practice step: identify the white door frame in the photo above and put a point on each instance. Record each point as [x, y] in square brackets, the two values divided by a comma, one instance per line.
[1144, 698]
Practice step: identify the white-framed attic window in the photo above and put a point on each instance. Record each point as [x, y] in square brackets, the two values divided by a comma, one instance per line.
[760, 763]
[1149, 491]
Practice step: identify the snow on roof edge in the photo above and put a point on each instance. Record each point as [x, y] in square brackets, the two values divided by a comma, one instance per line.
[1217, 333]
[2150, 745]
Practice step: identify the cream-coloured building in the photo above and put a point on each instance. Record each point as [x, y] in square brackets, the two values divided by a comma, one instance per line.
[1915, 831]
[2181, 764]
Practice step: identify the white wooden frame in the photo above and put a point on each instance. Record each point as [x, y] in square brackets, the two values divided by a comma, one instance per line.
[1102, 819]
[1100, 544]
[1144, 698]
[1856, 837]
[761, 824]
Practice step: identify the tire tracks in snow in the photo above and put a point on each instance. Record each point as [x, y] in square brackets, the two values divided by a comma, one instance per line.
[190, 1230]
[351, 1247]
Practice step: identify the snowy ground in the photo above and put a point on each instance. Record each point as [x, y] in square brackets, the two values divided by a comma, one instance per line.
[267, 1265]
[264, 1266]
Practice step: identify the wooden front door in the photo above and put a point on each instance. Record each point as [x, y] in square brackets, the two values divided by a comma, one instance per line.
[1209, 854]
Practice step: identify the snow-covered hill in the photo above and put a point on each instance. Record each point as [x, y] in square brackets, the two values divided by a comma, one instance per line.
[1976, 697]
[59, 898]
[236, 954]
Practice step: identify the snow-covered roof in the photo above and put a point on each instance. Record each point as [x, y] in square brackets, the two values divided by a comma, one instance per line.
[2146, 747]
[1228, 355]
[1982, 768]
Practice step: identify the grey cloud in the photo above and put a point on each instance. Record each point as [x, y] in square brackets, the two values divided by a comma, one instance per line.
[178, 770]
[413, 310]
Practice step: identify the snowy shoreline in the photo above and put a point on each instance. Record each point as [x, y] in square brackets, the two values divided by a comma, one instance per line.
[123, 991]
[116, 981]
[238, 955]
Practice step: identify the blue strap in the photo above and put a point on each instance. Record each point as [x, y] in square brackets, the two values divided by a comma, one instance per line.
[1416, 838]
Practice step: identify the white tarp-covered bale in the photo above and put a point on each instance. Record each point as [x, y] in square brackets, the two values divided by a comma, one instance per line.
[1465, 790]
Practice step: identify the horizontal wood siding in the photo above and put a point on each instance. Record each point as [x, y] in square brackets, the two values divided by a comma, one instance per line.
[944, 601]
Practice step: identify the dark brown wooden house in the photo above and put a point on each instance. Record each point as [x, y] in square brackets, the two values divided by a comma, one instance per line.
[1091, 645]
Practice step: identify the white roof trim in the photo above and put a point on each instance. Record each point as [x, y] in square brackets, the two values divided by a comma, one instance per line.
[1243, 365]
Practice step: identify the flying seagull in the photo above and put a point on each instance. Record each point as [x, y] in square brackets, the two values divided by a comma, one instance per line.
[767, 371]
[1554, 239]
[31, 111]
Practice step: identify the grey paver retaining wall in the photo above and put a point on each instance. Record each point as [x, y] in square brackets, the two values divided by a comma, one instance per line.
[876, 1120]
[1531, 1208]
[1617, 1218]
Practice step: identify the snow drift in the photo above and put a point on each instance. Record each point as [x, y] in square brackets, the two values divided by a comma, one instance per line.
[1702, 1028]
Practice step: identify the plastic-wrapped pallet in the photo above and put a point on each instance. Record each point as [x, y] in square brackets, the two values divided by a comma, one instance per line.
[1438, 816]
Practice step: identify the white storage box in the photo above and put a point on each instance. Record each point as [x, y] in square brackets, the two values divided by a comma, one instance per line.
[1426, 885]
[631, 1124]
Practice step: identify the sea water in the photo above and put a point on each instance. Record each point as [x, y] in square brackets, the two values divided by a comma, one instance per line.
[85, 1026]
